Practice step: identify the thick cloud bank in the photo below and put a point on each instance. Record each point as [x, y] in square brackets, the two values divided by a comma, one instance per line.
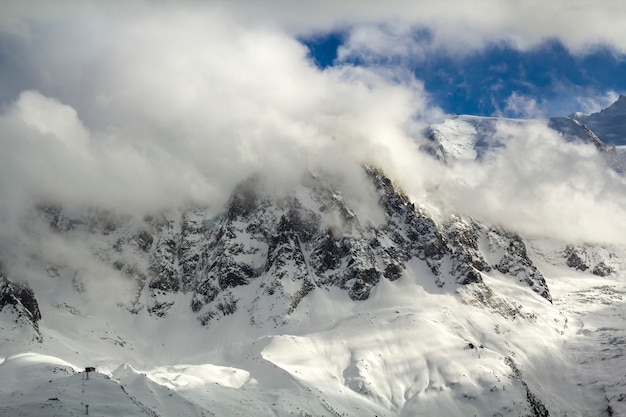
[542, 186]
[138, 106]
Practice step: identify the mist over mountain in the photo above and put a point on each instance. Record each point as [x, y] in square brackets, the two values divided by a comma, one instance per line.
[337, 293]
[189, 205]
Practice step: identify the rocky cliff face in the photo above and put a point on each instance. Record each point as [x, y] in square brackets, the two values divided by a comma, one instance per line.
[597, 260]
[19, 300]
[266, 252]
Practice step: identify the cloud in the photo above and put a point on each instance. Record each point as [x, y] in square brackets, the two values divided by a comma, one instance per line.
[49, 156]
[159, 106]
[138, 106]
[539, 185]
[525, 107]
[593, 103]
[392, 43]
[456, 27]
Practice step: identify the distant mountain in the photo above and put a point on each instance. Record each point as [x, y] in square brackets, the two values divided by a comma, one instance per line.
[608, 124]
[468, 137]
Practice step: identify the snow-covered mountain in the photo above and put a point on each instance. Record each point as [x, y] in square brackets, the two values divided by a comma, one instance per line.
[313, 299]
[467, 137]
[609, 124]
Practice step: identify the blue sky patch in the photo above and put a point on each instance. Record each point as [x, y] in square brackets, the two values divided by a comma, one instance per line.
[323, 48]
[482, 82]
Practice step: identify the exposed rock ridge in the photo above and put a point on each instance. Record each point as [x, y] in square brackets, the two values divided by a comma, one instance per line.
[597, 260]
[20, 300]
[266, 252]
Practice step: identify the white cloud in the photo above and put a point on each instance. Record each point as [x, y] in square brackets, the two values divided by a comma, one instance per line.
[459, 27]
[163, 106]
[523, 106]
[540, 185]
[595, 102]
[50, 156]
[395, 41]
[455, 25]
[141, 105]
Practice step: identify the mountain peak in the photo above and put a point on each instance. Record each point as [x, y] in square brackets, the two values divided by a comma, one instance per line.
[618, 107]
[608, 124]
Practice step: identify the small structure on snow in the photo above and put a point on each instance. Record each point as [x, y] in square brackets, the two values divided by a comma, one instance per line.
[89, 369]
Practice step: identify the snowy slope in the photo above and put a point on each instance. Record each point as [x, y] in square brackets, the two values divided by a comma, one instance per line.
[451, 317]
[410, 349]
[464, 137]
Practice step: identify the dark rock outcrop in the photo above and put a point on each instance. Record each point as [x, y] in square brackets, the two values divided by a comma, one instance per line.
[268, 250]
[586, 258]
[20, 299]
